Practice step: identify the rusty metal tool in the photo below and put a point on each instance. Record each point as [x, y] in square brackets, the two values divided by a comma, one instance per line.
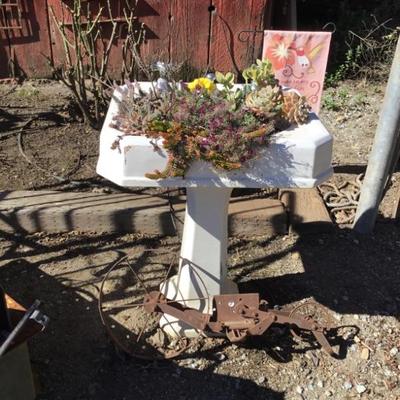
[234, 316]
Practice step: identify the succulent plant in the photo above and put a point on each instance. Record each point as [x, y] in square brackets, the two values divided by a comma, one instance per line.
[261, 74]
[265, 102]
[225, 127]
[295, 108]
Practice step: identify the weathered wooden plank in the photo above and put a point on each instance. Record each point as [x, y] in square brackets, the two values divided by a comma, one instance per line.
[4, 53]
[49, 211]
[227, 52]
[156, 25]
[307, 211]
[31, 44]
[155, 15]
[190, 26]
[58, 11]
[396, 206]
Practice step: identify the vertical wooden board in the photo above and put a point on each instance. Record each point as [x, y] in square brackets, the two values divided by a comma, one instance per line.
[31, 45]
[229, 18]
[118, 7]
[58, 11]
[190, 26]
[4, 53]
[155, 15]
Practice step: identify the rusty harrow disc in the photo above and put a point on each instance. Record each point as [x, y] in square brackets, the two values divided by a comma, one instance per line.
[124, 291]
[312, 311]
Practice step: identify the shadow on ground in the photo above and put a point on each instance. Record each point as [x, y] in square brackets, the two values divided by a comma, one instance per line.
[74, 359]
[348, 273]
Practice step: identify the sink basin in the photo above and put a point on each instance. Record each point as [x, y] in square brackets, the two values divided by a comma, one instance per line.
[297, 157]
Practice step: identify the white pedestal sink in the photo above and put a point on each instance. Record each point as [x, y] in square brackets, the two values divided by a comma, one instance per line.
[297, 157]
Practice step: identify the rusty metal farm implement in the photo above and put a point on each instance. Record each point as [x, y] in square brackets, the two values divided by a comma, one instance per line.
[136, 300]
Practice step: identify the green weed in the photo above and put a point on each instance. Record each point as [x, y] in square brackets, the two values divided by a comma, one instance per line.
[28, 91]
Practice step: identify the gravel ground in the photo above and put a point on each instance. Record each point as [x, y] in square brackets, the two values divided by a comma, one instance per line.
[356, 278]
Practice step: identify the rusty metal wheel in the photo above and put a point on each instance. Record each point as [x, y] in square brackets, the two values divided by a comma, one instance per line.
[311, 310]
[123, 306]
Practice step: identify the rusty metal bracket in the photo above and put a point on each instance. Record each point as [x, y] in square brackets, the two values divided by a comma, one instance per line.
[237, 316]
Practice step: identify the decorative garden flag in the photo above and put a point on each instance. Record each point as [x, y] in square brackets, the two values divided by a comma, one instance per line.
[299, 61]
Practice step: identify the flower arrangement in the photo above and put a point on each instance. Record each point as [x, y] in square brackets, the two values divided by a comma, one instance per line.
[211, 120]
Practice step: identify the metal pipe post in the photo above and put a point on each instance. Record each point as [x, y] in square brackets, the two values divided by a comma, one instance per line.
[382, 153]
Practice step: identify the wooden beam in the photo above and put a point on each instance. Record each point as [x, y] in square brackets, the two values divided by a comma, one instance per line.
[306, 209]
[51, 211]
[229, 18]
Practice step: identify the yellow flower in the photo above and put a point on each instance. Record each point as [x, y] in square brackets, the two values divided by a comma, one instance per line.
[201, 83]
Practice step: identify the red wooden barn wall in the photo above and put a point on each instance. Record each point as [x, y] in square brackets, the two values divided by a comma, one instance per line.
[204, 33]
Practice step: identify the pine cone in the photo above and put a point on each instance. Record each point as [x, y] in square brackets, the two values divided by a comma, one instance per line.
[295, 108]
[265, 102]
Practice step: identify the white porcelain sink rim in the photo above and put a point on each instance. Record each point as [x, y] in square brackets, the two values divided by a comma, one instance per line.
[303, 143]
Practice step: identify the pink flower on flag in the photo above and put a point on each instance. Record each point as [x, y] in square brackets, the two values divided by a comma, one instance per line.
[280, 53]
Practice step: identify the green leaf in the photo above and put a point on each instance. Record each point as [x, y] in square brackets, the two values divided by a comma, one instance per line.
[230, 77]
[220, 77]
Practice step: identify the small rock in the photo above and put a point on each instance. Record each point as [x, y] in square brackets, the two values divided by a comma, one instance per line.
[221, 356]
[337, 316]
[320, 384]
[361, 388]
[261, 380]
[387, 372]
[100, 190]
[328, 393]
[347, 385]
[296, 256]
[299, 390]
[394, 351]
[365, 353]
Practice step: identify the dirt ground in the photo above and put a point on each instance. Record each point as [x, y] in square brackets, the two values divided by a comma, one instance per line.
[357, 278]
